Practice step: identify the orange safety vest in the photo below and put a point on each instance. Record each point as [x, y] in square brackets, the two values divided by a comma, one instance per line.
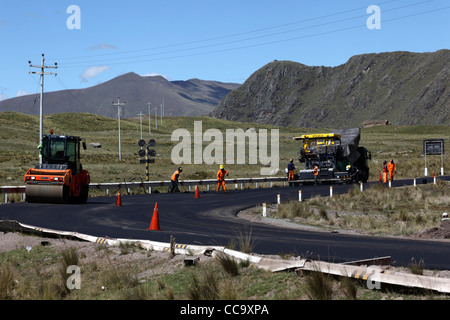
[221, 174]
[175, 176]
[391, 167]
[316, 171]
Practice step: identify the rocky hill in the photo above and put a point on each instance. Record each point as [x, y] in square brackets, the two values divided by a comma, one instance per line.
[181, 98]
[396, 87]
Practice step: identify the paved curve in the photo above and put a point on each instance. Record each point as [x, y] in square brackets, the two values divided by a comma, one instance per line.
[212, 220]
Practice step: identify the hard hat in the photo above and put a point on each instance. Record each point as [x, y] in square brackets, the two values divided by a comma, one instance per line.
[180, 169]
[290, 160]
[348, 167]
[221, 166]
[445, 215]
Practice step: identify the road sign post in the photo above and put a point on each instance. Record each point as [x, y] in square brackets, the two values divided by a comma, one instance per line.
[434, 147]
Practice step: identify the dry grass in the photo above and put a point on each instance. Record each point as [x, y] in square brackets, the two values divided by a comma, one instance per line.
[376, 210]
[109, 273]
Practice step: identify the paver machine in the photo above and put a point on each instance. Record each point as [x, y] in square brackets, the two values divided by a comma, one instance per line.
[337, 155]
[59, 178]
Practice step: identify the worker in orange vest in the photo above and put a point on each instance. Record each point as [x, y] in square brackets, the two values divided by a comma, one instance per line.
[174, 186]
[392, 169]
[316, 174]
[221, 178]
[291, 168]
[385, 172]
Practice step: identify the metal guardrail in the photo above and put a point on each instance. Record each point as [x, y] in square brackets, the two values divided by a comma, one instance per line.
[6, 190]
[149, 184]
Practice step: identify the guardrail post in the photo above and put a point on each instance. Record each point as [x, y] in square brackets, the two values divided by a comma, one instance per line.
[300, 195]
[264, 209]
[331, 191]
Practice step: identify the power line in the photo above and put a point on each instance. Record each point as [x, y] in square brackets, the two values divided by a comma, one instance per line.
[135, 59]
[227, 36]
[262, 43]
[252, 38]
[68, 90]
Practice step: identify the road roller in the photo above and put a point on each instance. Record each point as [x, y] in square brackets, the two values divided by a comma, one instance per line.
[59, 177]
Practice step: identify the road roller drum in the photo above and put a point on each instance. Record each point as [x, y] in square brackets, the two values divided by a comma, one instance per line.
[60, 177]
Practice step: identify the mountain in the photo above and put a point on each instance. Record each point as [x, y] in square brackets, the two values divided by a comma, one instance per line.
[398, 87]
[181, 98]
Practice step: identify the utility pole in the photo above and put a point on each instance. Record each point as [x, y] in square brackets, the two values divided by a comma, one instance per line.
[119, 104]
[156, 118]
[162, 110]
[140, 118]
[42, 73]
[149, 125]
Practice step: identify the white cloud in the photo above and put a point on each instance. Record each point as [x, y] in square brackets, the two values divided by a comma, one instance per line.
[21, 93]
[154, 74]
[93, 72]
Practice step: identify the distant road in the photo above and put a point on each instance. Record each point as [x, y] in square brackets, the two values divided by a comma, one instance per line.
[212, 220]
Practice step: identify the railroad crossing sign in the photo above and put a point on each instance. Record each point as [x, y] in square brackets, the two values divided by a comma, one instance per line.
[147, 153]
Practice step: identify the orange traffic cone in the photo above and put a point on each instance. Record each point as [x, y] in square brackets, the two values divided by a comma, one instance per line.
[154, 225]
[379, 179]
[433, 173]
[118, 200]
[197, 195]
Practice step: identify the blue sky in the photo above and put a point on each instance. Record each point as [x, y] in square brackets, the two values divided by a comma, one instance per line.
[208, 39]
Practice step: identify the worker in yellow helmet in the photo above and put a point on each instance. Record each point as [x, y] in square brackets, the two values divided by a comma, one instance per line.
[221, 178]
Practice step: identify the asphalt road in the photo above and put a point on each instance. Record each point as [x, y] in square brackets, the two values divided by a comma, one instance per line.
[212, 220]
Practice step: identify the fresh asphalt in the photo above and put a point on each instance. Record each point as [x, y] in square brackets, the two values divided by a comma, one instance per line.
[211, 220]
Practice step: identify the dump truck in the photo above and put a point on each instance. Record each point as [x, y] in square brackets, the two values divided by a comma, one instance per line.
[59, 177]
[337, 155]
